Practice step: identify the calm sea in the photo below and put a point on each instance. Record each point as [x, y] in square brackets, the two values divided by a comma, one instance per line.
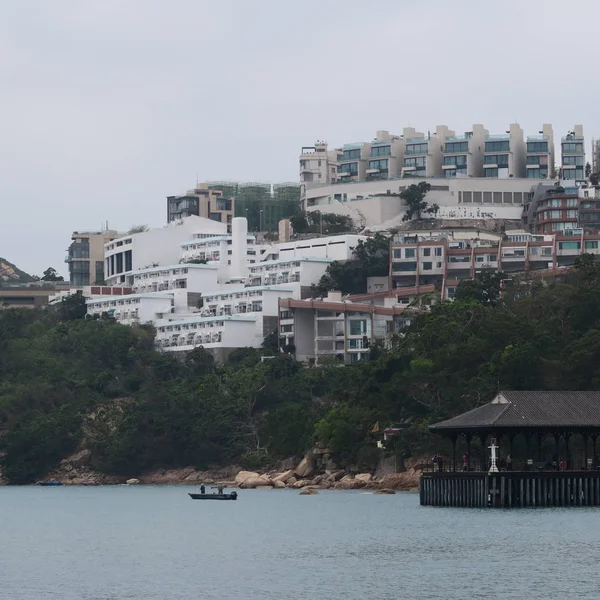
[154, 543]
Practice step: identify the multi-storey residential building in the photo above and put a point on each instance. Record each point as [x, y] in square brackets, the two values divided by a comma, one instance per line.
[86, 256]
[504, 154]
[124, 255]
[423, 154]
[540, 154]
[556, 210]
[318, 164]
[336, 328]
[573, 155]
[463, 154]
[422, 261]
[201, 202]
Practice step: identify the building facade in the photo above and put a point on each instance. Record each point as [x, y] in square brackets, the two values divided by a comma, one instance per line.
[85, 256]
[573, 155]
[201, 202]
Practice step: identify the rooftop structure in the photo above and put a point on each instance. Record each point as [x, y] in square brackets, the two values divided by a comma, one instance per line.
[201, 202]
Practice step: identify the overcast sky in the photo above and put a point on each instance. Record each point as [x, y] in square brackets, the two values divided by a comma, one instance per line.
[107, 107]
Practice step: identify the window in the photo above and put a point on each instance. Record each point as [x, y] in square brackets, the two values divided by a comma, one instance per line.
[416, 148]
[457, 147]
[381, 165]
[438, 251]
[572, 214]
[493, 172]
[467, 197]
[415, 162]
[537, 173]
[427, 266]
[537, 147]
[569, 245]
[500, 146]
[554, 214]
[496, 159]
[573, 161]
[397, 253]
[537, 160]
[458, 161]
[591, 245]
[358, 326]
[572, 148]
[348, 169]
[351, 154]
[409, 253]
[381, 150]
[426, 251]
[507, 197]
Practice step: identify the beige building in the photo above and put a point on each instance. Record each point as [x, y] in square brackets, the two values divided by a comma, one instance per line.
[86, 256]
[201, 202]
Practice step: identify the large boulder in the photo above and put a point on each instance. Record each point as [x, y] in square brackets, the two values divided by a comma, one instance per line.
[348, 482]
[283, 477]
[242, 476]
[288, 463]
[132, 481]
[256, 482]
[306, 468]
[401, 481]
[364, 477]
[278, 484]
[308, 492]
[302, 483]
[336, 476]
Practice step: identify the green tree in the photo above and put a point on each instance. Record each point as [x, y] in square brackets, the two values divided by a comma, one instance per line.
[50, 274]
[588, 170]
[484, 289]
[72, 307]
[414, 195]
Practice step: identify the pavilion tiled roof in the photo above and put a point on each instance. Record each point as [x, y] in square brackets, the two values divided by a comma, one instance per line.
[553, 410]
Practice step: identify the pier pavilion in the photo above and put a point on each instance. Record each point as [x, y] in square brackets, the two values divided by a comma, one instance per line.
[556, 463]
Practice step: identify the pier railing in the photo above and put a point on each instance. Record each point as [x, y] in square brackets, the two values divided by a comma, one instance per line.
[526, 466]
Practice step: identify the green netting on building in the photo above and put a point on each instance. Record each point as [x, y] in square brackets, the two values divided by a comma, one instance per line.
[263, 204]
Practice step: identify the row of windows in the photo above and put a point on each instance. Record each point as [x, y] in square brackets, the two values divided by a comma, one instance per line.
[572, 173]
[537, 173]
[558, 214]
[572, 148]
[454, 172]
[573, 161]
[459, 161]
[537, 160]
[418, 162]
[457, 147]
[351, 154]
[382, 164]
[501, 160]
[537, 147]
[490, 197]
[350, 168]
[499, 146]
[381, 151]
[410, 252]
[417, 148]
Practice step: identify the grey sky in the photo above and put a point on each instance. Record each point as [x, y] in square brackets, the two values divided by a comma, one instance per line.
[107, 107]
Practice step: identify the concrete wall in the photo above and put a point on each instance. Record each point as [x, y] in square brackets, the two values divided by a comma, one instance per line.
[304, 334]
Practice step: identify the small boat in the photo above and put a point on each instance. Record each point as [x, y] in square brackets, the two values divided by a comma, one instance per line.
[51, 482]
[232, 496]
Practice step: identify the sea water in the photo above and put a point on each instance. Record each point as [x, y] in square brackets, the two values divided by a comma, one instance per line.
[155, 543]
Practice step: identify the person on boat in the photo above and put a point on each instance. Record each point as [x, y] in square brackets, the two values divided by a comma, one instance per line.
[202, 489]
[220, 488]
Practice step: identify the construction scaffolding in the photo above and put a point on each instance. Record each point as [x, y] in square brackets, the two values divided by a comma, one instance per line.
[263, 204]
[595, 156]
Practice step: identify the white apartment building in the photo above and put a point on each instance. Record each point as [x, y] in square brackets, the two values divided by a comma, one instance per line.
[134, 309]
[304, 271]
[423, 154]
[335, 247]
[573, 154]
[218, 334]
[463, 154]
[130, 253]
[504, 154]
[540, 154]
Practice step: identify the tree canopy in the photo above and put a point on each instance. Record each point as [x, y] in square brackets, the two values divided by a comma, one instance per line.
[68, 383]
[50, 274]
[416, 205]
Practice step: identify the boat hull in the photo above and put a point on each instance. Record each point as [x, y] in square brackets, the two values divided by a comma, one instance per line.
[232, 496]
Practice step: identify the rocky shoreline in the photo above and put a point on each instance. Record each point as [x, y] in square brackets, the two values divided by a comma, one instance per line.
[315, 471]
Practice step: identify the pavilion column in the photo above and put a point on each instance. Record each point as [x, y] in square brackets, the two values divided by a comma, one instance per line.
[483, 438]
[454, 439]
[469, 437]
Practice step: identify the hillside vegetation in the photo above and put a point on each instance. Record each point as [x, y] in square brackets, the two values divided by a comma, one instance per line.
[68, 382]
